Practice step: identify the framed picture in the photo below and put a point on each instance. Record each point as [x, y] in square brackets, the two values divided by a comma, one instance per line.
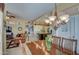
[20, 28]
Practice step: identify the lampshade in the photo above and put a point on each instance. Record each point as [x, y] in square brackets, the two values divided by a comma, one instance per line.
[67, 20]
[7, 17]
[47, 21]
[52, 18]
[64, 17]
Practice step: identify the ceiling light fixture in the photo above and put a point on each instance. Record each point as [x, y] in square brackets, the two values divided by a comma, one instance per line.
[57, 20]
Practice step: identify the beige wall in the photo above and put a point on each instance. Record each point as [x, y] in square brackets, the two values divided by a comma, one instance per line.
[39, 28]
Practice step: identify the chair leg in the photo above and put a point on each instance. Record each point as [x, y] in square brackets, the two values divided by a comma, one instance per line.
[9, 44]
[15, 44]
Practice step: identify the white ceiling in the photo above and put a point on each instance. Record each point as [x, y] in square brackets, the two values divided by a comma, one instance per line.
[29, 11]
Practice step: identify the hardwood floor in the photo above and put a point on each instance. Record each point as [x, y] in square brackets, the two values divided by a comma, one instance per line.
[15, 51]
[38, 48]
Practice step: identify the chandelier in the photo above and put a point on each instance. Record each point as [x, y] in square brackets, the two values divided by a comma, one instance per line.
[57, 20]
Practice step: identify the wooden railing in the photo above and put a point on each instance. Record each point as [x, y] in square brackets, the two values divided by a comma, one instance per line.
[68, 46]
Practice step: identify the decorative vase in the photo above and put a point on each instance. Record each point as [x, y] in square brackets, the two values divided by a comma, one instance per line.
[48, 43]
